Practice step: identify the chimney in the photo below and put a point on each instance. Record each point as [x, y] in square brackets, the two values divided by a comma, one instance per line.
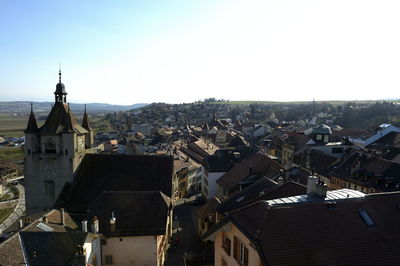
[84, 226]
[62, 216]
[21, 223]
[316, 187]
[45, 219]
[95, 225]
[112, 222]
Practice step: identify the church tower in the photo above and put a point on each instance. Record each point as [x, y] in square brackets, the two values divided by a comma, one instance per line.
[53, 152]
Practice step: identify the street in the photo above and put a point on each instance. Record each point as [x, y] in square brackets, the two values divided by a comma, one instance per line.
[189, 241]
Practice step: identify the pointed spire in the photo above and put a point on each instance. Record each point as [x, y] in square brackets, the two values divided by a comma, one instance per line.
[59, 73]
[60, 93]
[32, 125]
[85, 121]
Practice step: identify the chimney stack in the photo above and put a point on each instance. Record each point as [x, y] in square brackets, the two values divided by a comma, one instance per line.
[95, 225]
[62, 216]
[21, 223]
[316, 187]
[112, 222]
[84, 226]
[45, 219]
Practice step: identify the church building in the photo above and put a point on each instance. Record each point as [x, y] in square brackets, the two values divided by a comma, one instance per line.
[53, 152]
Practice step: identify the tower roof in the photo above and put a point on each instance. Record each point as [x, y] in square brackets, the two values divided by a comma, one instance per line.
[60, 87]
[61, 120]
[85, 121]
[32, 125]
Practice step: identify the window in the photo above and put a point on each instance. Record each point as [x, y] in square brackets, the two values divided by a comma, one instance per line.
[109, 259]
[50, 145]
[366, 218]
[49, 189]
[240, 252]
[226, 244]
[319, 137]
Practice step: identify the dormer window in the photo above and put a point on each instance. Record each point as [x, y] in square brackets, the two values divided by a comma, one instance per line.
[319, 137]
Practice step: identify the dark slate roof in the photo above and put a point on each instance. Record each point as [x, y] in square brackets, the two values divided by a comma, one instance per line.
[136, 213]
[315, 233]
[220, 161]
[255, 193]
[61, 120]
[238, 141]
[49, 248]
[244, 196]
[257, 164]
[11, 251]
[321, 161]
[224, 160]
[112, 172]
[60, 88]
[32, 125]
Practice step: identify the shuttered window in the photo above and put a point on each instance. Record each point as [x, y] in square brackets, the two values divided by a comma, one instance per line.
[240, 252]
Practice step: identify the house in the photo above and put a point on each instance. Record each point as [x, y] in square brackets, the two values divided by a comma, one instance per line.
[247, 172]
[206, 215]
[50, 238]
[311, 230]
[382, 131]
[367, 173]
[128, 199]
[218, 164]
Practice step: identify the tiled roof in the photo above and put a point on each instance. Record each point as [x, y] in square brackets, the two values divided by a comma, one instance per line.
[11, 250]
[61, 120]
[257, 164]
[136, 213]
[32, 125]
[244, 196]
[209, 208]
[369, 171]
[112, 172]
[318, 233]
[60, 248]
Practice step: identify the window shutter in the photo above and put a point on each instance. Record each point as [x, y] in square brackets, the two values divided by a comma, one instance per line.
[246, 257]
[235, 248]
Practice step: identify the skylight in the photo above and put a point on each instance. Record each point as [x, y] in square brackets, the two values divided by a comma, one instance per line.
[366, 218]
[240, 199]
[44, 227]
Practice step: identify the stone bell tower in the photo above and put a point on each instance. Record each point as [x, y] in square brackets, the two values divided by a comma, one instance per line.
[53, 152]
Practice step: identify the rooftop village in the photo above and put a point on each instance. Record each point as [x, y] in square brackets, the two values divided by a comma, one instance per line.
[192, 185]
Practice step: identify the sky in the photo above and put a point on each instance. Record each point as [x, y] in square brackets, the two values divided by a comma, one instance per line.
[126, 52]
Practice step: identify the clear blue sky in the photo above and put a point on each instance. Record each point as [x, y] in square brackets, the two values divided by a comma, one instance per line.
[127, 52]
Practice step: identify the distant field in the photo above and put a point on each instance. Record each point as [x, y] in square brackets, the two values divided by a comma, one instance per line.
[11, 154]
[12, 126]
